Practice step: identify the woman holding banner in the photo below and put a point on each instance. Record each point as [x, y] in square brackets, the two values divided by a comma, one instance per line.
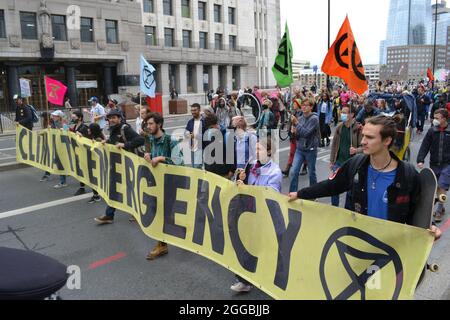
[263, 173]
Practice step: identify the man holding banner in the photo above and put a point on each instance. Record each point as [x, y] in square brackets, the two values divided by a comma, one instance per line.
[163, 149]
[123, 137]
[387, 188]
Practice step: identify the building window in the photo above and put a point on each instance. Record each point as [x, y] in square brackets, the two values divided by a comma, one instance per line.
[217, 13]
[231, 15]
[2, 24]
[201, 10]
[167, 7]
[59, 28]
[112, 35]
[218, 41]
[150, 38]
[168, 37]
[203, 40]
[28, 25]
[185, 9]
[148, 6]
[187, 39]
[190, 72]
[86, 29]
[233, 45]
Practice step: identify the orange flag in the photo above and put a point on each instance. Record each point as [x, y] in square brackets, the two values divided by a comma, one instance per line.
[430, 75]
[343, 60]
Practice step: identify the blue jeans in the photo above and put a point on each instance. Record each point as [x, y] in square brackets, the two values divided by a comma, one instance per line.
[336, 199]
[197, 159]
[300, 157]
[110, 211]
[62, 179]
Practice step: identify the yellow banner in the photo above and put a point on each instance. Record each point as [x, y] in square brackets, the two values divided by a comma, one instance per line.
[301, 250]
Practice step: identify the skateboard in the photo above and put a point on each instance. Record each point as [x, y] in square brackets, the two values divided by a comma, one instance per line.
[423, 214]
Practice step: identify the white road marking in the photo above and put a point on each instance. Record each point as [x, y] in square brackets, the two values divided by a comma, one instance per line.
[7, 149]
[45, 205]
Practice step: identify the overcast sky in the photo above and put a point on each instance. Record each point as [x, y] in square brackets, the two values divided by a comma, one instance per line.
[308, 26]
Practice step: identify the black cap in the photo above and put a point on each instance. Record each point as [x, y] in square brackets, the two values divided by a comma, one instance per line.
[113, 113]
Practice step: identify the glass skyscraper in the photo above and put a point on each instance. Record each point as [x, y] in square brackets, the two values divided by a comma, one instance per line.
[409, 23]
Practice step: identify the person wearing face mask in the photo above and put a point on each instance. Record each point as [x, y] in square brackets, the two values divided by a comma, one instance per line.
[346, 143]
[437, 144]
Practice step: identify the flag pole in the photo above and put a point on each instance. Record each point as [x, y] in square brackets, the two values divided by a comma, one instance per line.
[435, 40]
[46, 100]
[329, 39]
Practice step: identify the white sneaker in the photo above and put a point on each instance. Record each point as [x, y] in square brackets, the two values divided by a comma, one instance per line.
[241, 287]
[60, 185]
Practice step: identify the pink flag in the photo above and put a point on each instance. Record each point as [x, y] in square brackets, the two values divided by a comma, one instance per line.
[55, 91]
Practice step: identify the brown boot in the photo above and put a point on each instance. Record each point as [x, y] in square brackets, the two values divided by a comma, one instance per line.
[159, 250]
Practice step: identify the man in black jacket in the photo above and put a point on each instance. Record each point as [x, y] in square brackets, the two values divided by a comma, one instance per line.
[422, 101]
[24, 115]
[123, 137]
[78, 127]
[381, 185]
[437, 143]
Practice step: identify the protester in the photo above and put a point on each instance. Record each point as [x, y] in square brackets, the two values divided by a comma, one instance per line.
[195, 129]
[387, 188]
[325, 111]
[163, 150]
[78, 127]
[124, 138]
[437, 144]
[59, 122]
[263, 172]
[346, 144]
[24, 115]
[98, 114]
[307, 131]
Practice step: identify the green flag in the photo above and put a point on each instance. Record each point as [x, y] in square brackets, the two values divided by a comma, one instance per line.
[282, 69]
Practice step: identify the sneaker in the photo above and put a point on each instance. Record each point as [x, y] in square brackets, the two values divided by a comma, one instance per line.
[80, 192]
[60, 185]
[158, 251]
[94, 199]
[104, 220]
[438, 217]
[241, 287]
[44, 178]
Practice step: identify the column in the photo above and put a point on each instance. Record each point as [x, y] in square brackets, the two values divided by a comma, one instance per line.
[214, 81]
[71, 84]
[182, 78]
[229, 80]
[165, 82]
[108, 87]
[198, 79]
[13, 84]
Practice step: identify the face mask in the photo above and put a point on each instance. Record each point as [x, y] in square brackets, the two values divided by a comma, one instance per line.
[436, 123]
[344, 117]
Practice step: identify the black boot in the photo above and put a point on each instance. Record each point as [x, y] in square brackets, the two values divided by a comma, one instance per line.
[304, 170]
[287, 171]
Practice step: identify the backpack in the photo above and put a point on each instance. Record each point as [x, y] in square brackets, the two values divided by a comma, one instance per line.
[139, 151]
[34, 114]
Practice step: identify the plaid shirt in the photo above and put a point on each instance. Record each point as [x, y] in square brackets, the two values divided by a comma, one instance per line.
[166, 147]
